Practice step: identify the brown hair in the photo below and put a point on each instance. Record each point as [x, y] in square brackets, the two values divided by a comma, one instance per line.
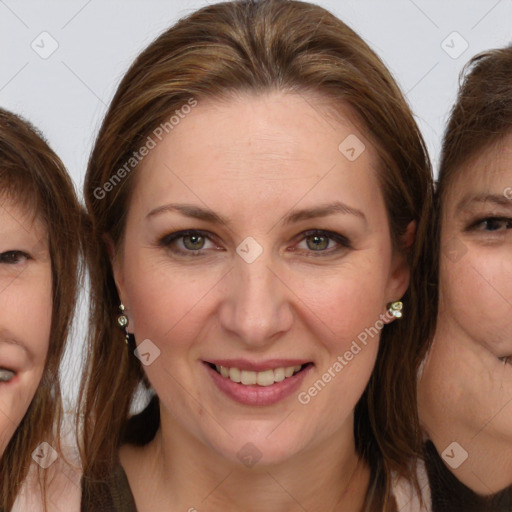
[32, 176]
[481, 115]
[480, 118]
[257, 46]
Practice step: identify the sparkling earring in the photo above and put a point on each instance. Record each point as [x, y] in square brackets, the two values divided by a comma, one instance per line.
[395, 309]
[122, 321]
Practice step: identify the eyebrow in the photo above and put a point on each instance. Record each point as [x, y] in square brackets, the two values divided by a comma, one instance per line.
[208, 215]
[495, 199]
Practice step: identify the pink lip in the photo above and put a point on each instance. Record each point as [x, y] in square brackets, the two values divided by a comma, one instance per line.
[258, 395]
[261, 366]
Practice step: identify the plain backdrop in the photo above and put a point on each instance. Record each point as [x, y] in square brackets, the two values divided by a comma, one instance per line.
[60, 62]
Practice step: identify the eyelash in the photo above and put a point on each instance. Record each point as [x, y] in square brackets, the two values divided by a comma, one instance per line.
[474, 226]
[343, 242]
[6, 257]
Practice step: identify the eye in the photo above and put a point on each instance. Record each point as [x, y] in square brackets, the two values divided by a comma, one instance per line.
[318, 241]
[492, 224]
[6, 375]
[13, 257]
[192, 242]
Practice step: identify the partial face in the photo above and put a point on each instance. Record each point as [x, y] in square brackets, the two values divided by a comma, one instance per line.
[468, 376]
[247, 314]
[25, 313]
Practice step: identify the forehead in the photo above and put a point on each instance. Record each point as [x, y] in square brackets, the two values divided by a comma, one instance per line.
[16, 217]
[488, 171]
[273, 145]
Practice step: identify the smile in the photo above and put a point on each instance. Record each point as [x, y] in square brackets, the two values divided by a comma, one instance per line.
[260, 384]
[264, 378]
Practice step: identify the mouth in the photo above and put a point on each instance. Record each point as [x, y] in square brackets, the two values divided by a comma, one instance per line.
[506, 359]
[258, 378]
[258, 384]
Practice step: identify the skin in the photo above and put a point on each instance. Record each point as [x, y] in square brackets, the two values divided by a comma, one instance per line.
[25, 322]
[253, 159]
[465, 393]
[25, 312]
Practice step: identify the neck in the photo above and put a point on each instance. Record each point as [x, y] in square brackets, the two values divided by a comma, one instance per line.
[179, 469]
[465, 397]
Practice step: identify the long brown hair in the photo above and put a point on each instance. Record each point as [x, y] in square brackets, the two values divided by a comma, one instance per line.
[258, 46]
[32, 176]
[480, 118]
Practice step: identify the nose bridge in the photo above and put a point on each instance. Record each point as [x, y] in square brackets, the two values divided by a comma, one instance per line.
[258, 302]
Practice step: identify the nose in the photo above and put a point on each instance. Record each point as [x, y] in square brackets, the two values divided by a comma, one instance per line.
[257, 307]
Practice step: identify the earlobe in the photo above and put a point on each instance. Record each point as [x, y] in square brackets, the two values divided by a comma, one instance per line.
[394, 311]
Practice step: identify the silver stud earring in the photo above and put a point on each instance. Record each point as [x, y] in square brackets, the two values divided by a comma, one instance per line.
[122, 321]
[395, 309]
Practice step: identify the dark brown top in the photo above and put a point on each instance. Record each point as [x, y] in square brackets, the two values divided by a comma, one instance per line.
[451, 495]
[114, 495]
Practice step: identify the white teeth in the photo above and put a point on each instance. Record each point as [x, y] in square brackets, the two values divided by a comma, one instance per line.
[279, 375]
[250, 378]
[265, 378]
[234, 374]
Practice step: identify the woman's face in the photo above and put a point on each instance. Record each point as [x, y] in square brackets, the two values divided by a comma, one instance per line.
[25, 313]
[468, 377]
[260, 294]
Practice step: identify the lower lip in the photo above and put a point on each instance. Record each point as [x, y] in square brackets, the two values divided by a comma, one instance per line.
[258, 395]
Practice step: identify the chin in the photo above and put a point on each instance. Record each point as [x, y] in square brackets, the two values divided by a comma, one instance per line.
[258, 450]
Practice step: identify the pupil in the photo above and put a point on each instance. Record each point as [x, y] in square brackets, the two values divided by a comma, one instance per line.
[318, 241]
[195, 239]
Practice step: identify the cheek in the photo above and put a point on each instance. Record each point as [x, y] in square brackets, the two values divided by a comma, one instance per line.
[165, 303]
[345, 308]
[340, 303]
[476, 292]
[25, 311]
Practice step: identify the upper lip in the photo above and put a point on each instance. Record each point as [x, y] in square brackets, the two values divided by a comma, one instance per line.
[257, 366]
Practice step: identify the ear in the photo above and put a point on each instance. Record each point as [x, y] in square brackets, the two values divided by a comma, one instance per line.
[116, 266]
[117, 272]
[400, 271]
[114, 261]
